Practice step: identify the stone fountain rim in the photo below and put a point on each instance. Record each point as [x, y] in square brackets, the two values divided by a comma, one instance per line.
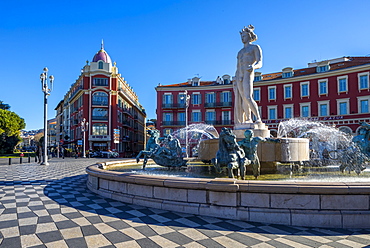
[229, 184]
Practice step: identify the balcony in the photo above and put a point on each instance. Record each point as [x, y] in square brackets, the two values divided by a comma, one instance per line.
[99, 103]
[127, 111]
[219, 122]
[126, 123]
[99, 138]
[217, 104]
[173, 105]
[100, 118]
[173, 123]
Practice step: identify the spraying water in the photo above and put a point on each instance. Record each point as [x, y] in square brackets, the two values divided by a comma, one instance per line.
[328, 145]
[195, 133]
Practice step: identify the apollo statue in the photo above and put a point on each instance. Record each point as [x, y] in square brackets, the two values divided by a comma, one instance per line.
[249, 59]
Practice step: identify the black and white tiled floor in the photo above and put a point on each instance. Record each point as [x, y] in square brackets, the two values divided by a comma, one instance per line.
[50, 206]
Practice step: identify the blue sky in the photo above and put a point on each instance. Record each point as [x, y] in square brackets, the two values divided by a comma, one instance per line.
[164, 41]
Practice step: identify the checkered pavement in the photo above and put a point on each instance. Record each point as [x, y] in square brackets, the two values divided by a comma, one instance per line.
[50, 206]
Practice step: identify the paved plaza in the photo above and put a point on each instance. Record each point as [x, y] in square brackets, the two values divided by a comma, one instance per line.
[50, 206]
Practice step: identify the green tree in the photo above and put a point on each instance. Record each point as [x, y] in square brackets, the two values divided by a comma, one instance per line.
[10, 126]
[4, 106]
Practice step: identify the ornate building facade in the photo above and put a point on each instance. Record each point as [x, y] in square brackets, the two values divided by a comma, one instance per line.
[101, 97]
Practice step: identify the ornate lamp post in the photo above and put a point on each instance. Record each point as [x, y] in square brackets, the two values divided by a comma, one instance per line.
[84, 128]
[46, 88]
[187, 99]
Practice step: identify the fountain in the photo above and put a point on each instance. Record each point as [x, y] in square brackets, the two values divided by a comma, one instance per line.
[167, 154]
[328, 144]
[337, 204]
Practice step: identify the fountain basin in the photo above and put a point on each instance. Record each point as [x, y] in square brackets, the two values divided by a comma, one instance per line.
[297, 203]
[287, 150]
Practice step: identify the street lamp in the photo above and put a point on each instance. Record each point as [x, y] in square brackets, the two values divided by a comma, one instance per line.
[187, 99]
[46, 88]
[84, 128]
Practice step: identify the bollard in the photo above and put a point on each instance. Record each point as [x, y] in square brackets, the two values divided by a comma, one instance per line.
[36, 158]
[29, 159]
[20, 160]
[10, 161]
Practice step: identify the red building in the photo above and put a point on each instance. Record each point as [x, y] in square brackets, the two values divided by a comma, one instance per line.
[105, 100]
[335, 92]
[209, 102]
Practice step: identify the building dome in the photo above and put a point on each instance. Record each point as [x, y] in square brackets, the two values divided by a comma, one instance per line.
[102, 55]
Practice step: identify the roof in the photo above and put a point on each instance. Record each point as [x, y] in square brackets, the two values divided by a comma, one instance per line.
[187, 84]
[349, 62]
[102, 55]
[345, 63]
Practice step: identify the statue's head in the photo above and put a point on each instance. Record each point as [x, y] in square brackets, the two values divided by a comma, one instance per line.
[248, 34]
[248, 133]
[362, 131]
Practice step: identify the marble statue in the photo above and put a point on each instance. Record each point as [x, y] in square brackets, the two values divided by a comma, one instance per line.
[249, 58]
[249, 145]
[229, 154]
[168, 153]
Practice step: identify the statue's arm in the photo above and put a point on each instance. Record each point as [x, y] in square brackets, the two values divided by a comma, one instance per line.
[238, 69]
[258, 55]
[364, 124]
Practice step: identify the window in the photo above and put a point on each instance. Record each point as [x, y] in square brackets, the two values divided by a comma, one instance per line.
[287, 74]
[100, 114]
[257, 94]
[181, 117]
[196, 98]
[195, 116]
[210, 97]
[343, 106]
[226, 117]
[226, 79]
[363, 81]
[288, 111]
[99, 129]
[167, 117]
[272, 112]
[195, 81]
[226, 96]
[210, 116]
[323, 87]
[322, 68]
[305, 109]
[287, 91]
[305, 89]
[342, 84]
[323, 108]
[363, 104]
[100, 65]
[100, 81]
[272, 92]
[167, 131]
[181, 99]
[167, 98]
[100, 98]
[257, 78]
